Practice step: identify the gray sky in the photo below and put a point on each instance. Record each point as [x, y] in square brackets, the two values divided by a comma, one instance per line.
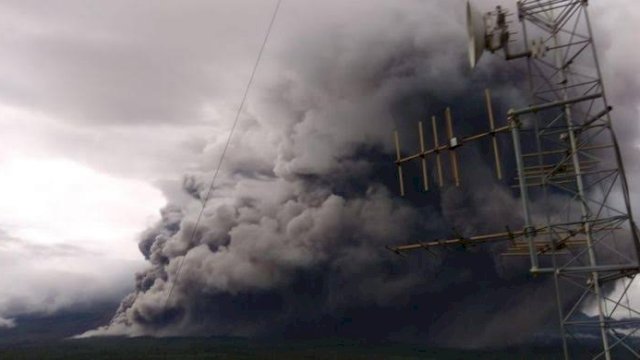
[104, 106]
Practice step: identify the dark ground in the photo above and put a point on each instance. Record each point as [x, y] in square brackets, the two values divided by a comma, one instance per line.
[43, 337]
[233, 348]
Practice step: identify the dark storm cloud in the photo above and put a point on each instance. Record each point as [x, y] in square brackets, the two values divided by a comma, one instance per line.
[292, 240]
[281, 235]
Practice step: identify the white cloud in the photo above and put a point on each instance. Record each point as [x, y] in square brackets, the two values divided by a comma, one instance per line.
[7, 323]
[50, 201]
[68, 233]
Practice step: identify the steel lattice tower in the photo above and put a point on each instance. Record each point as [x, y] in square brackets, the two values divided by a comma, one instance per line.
[567, 158]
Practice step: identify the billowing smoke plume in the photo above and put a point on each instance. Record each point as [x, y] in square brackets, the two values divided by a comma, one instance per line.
[292, 241]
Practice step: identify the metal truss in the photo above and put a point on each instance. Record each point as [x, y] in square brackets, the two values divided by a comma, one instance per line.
[577, 160]
[567, 158]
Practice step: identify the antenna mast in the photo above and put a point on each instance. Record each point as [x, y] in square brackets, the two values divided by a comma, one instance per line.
[567, 157]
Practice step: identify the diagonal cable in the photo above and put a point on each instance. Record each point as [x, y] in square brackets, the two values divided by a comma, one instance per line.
[226, 147]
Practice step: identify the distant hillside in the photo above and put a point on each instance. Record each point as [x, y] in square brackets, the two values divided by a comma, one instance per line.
[43, 328]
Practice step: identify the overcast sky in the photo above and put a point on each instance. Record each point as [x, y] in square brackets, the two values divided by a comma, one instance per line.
[105, 105]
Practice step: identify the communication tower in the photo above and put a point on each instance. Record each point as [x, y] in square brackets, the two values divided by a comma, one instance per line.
[567, 157]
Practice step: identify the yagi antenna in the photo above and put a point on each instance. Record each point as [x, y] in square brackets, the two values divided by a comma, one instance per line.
[492, 126]
[425, 177]
[398, 158]
[436, 145]
[451, 145]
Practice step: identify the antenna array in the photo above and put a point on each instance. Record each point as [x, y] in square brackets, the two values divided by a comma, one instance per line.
[567, 158]
[450, 146]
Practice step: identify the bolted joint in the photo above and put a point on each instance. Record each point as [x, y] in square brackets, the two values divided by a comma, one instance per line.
[454, 143]
[530, 231]
[513, 120]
